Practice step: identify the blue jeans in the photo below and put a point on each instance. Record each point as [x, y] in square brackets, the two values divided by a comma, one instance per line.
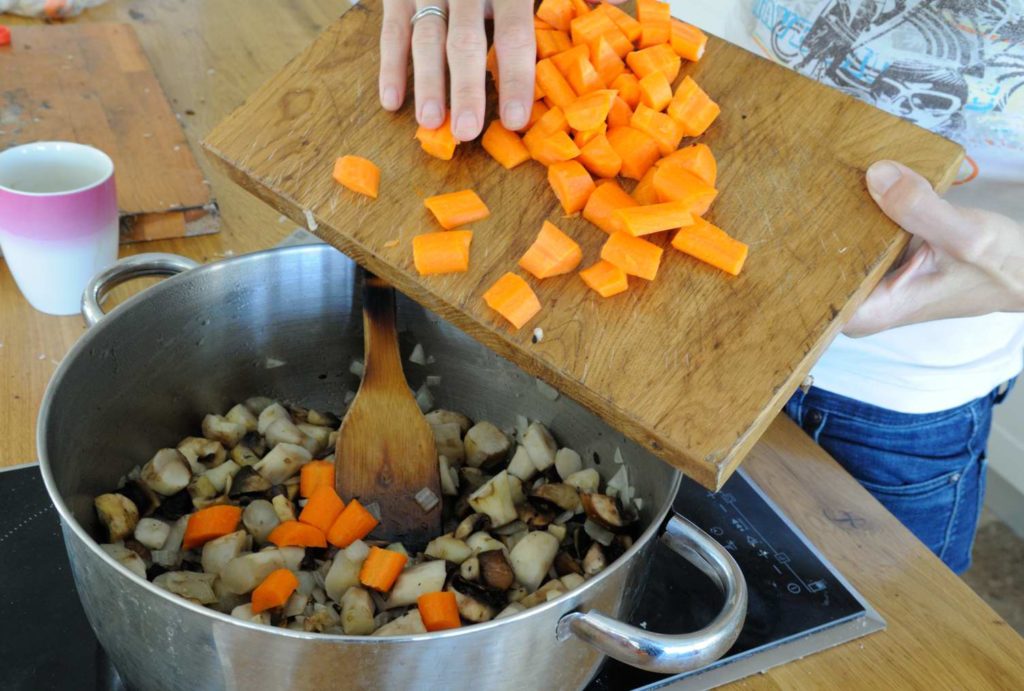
[928, 470]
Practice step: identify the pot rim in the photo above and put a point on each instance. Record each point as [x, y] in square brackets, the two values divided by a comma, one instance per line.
[69, 522]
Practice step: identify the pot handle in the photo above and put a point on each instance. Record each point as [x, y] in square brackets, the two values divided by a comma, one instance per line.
[668, 653]
[150, 264]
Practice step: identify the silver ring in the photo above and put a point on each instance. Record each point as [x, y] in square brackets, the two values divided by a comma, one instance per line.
[429, 11]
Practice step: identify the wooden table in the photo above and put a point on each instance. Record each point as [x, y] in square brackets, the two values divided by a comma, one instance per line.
[209, 56]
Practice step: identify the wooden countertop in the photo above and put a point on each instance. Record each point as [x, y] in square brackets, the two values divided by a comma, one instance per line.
[209, 56]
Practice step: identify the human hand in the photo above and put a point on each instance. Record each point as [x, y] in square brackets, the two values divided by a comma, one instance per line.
[960, 262]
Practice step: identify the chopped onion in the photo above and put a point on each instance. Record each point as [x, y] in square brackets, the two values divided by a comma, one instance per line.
[349, 396]
[433, 380]
[618, 483]
[310, 221]
[273, 363]
[425, 399]
[564, 517]
[521, 425]
[426, 499]
[356, 368]
[547, 391]
[598, 533]
[431, 360]
[374, 509]
[358, 550]
[510, 528]
[639, 503]
[417, 357]
[618, 456]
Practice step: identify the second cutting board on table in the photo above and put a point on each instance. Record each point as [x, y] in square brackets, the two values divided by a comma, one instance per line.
[694, 365]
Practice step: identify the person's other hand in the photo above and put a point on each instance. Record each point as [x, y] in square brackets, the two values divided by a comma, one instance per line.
[960, 262]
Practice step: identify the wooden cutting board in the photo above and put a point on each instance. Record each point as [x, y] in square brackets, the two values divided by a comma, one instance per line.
[694, 365]
[92, 83]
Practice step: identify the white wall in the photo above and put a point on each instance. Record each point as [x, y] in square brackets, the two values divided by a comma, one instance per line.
[1006, 461]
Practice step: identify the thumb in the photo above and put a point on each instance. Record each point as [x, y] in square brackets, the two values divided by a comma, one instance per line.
[910, 201]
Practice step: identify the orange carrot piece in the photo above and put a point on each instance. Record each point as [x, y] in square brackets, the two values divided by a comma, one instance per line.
[536, 113]
[439, 143]
[589, 111]
[712, 245]
[604, 202]
[654, 218]
[655, 21]
[551, 42]
[580, 7]
[583, 78]
[644, 192]
[659, 127]
[676, 184]
[572, 184]
[209, 523]
[583, 136]
[492, 63]
[353, 523]
[504, 146]
[628, 87]
[620, 113]
[539, 23]
[656, 58]
[322, 509]
[553, 253]
[636, 256]
[697, 159]
[605, 60]
[627, 24]
[381, 569]
[444, 252]
[295, 534]
[692, 108]
[655, 91]
[551, 121]
[274, 591]
[314, 474]
[564, 60]
[358, 174]
[457, 208]
[554, 148]
[512, 298]
[553, 84]
[439, 611]
[600, 158]
[637, 150]
[605, 278]
[557, 13]
[595, 25]
[688, 41]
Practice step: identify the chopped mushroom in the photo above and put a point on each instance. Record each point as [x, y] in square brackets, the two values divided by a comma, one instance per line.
[189, 584]
[283, 461]
[485, 445]
[244, 456]
[324, 419]
[357, 612]
[118, 514]
[565, 497]
[565, 564]
[548, 591]
[414, 581]
[167, 473]
[532, 557]
[470, 569]
[471, 524]
[132, 561]
[223, 430]
[495, 499]
[449, 477]
[320, 435]
[241, 415]
[603, 510]
[248, 482]
[540, 445]
[344, 571]
[245, 572]
[202, 491]
[448, 548]
[594, 562]
[495, 570]
[587, 480]
[221, 475]
[448, 440]
[442, 417]
[482, 542]
[260, 519]
[470, 601]
[245, 613]
[567, 462]
[219, 551]
[152, 532]
[202, 453]
[284, 431]
[283, 508]
[146, 500]
[512, 609]
[271, 413]
[407, 624]
[323, 618]
[521, 465]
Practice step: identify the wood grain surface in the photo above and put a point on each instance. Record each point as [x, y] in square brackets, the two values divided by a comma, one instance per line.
[92, 84]
[939, 635]
[693, 365]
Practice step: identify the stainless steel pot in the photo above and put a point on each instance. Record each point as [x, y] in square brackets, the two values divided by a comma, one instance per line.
[141, 377]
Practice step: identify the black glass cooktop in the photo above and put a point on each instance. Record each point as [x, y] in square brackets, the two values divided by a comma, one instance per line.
[798, 604]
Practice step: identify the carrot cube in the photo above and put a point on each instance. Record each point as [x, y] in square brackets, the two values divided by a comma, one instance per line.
[504, 146]
[553, 253]
[605, 278]
[712, 245]
[457, 208]
[635, 256]
[443, 252]
[512, 298]
[357, 174]
[572, 185]
[600, 210]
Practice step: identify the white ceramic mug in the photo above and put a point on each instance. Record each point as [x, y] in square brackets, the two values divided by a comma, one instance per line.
[58, 220]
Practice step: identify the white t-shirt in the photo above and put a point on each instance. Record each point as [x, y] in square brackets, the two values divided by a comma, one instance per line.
[955, 67]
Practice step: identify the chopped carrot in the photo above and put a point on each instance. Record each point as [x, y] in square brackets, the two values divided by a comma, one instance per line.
[504, 146]
[295, 534]
[557, 13]
[553, 253]
[627, 24]
[209, 523]
[655, 21]
[590, 27]
[656, 58]
[674, 183]
[583, 78]
[655, 91]
[358, 174]
[712, 245]
[381, 569]
[551, 121]
[654, 218]
[539, 23]
[439, 143]
[644, 192]
[551, 42]
[580, 7]
[457, 208]
[564, 60]
[692, 108]
[637, 150]
[554, 148]
[314, 474]
[439, 611]
[512, 298]
[598, 156]
[353, 523]
[604, 202]
[274, 591]
[5, 36]
[605, 60]
[620, 114]
[583, 136]
[628, 87]
[605, 278]
[665, 131]
[589, 111]
[444, 252]
[572, 184]
[538, 110]
[635, 256]
[554, 85]
[322, 509]
[492, 63]
[697, 159]
[688, 41]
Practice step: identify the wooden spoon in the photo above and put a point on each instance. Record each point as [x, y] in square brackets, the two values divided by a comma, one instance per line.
[385, 451]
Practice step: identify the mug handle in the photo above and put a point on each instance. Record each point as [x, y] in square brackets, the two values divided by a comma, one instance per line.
[672, 653]
[150, 264]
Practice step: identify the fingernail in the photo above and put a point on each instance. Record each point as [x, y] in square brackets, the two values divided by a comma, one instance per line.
[465, 127]
[881, 176]
[515, 116]
[390, 98]
[431, 115]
